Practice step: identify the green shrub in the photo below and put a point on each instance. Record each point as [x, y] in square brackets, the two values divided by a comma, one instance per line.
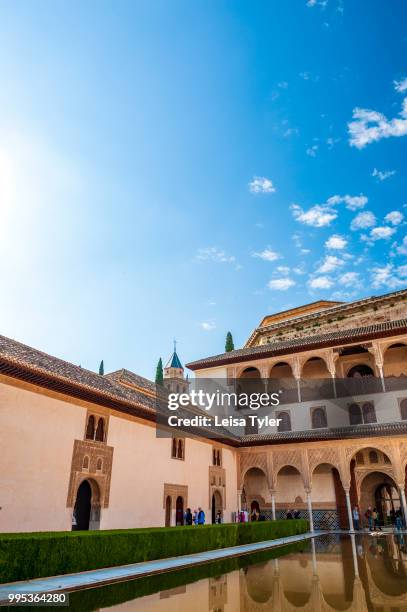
[34, 555]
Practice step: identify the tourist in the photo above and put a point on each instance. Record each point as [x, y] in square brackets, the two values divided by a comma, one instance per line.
[254, 515]
[296, 514]
[355, 514]
[289, 515]
[188, 517]
[218, 518]
[195, 517]
[369, 517]
[376, 520]
[201, 516]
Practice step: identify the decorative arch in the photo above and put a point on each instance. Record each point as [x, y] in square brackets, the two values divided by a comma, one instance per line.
[281, 369]
[309, 362]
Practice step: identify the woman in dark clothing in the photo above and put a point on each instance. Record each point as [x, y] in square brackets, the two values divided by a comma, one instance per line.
[188, 517]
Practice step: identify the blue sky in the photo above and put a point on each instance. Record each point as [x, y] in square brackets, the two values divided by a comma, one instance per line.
[179, 169]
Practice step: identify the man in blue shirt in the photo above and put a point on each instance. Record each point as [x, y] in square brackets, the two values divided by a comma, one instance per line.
[201, 517]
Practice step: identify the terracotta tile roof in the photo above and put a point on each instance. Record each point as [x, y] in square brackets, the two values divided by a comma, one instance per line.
[35, 361]
[346, 336]
[127, 377]
[336, 433]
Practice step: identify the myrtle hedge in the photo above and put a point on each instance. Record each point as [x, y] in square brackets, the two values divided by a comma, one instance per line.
[34, 555]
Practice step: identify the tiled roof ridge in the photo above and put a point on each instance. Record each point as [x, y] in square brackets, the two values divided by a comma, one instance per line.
[275, 347]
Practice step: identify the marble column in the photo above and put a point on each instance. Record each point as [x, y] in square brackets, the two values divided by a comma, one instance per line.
[273, 506]
[403, 503]
[349, 509]
[309, 504]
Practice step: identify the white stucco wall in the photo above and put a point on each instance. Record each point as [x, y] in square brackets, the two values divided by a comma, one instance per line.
[36, 439]
[37, 434]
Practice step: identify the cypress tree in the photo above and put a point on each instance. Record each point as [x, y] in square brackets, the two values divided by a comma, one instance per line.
[102, 368]
[159, 376]
[229, 346]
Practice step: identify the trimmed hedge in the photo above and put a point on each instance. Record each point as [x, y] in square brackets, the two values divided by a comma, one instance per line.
[35, 555]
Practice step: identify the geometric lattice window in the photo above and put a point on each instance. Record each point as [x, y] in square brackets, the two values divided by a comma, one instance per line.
[355, 414]
[403, 409]
[285, 422]
[319, 418]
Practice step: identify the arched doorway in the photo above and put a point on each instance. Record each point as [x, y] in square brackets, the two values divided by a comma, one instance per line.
[256, 488]
[359, 371]
[179, 511]
[216, 505]
[83, 506]
[168, 511]
[378, 490]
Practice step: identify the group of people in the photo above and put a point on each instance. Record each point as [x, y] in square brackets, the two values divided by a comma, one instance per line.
[373, 521]
[292, 514]
[195, 518]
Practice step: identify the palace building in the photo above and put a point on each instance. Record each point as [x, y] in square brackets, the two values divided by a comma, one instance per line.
[81, 449]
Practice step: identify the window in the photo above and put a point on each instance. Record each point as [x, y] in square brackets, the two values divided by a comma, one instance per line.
[355, 414]
[360, 459]
[369, 414]
[319, 418]
[99, 464]
[373, 457]
[216, 457]
[285, 422]
[403, 409]
[100, 431]
[85, 464]
[178, 448]
[90, 429]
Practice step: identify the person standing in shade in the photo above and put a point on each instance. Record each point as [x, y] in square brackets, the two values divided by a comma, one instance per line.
[218, 518]
[195, 517]
[201, 517]
[296, 514]
[399, 522]
[369, 517]
[376, 520]
[188, 517]
[289, 515]
[355, 515]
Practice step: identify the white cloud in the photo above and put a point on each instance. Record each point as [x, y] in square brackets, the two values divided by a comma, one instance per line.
[305, 251]
[382, 233]
[395, 217]
[321, 282]
[351, 202]
[261, 184]
[281, 284]
[349, 279]
[401, 86]
[371, 126]
[402, 271]
[283, 269]
[207, 325]
[336, 242]
[267, 254]
[383, 175]
[316, 216]
[384, 276]
[282, 85]
[402, 248]
[363, 220]
[312, 151]
[330, 263]
[214, 254]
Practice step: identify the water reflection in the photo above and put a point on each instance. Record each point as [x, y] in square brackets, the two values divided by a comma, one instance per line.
[335, 572]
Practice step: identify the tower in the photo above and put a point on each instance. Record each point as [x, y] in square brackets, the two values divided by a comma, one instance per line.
[174, 378]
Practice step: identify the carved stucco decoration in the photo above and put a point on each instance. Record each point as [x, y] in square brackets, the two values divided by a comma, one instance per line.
[317, 456]
[252, 460]
[174, 491]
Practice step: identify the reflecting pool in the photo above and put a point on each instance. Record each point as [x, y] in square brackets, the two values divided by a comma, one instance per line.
[331, 572]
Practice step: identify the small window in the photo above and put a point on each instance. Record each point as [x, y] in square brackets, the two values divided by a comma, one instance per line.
[360, 459]
[369, 414]
[403, 409]
[180, 449]
[355, 414]
[99, 464]
[373, 457]
[100, 431]
[85, 464]
[214, 456]
[319, 418]
[90, 428]
[174, 448]
[285, 422]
